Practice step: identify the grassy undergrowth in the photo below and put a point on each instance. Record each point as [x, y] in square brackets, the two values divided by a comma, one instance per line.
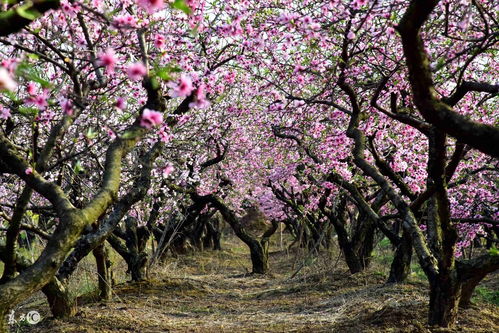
[212, 291]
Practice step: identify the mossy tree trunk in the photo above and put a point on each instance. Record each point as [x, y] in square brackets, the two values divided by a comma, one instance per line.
[62, 304]
[104, 273]
[72, 220]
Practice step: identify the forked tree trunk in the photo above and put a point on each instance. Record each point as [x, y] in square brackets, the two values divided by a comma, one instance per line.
[471, 275]
[265, 243]
[135, 260]
[62, 304]
[353, 261]
[138, 266]
[213, 234]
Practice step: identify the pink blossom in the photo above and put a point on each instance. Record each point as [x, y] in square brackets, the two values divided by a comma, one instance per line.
[4, 113]
[359, 3]
[136, 71]
[28, 171]
[124, 21]
[120, 103]
[315, 26]
[159, 41]
[298, 68]
[69, 8]
[164, 134]
[31, 88]
[108, 59]
[151, 6]
[464, 23]
[184, 88]
[230, 77]
[151, 118]
[168, 169]
[110, 133]
[351, 35]
[67, 106]
[6, 81]
[183, 119]
[200, 101]
[390, 31]
[40, 101]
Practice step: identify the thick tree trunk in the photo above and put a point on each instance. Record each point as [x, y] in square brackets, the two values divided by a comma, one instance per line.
[352, 260]
[401, 264]
[467, 290]
[137, 267]
[213, 234]
[136, 240]
[135, 260]
[103, 272]
[259, 259]
[471, 272]
[445, 293]
[264, 242]
[61, 303]
[366, 245]
[13, 234]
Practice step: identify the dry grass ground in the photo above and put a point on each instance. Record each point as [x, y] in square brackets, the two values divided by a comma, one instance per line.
[212, 292]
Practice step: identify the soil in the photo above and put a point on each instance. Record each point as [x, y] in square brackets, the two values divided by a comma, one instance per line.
[212, 291]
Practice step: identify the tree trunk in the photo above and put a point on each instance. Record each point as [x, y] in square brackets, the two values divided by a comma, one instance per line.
[136, 240]
[445, 293]
[61, 303]
[137, 267]
[401, 264]
[469, 283]
[259, 259]
[103, 272]
[4, 326]
[467, 291]
[135, 260]
[353, 261]
[216, 232]
[366, 246]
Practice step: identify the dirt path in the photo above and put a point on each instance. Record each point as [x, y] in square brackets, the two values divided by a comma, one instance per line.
[207, 292]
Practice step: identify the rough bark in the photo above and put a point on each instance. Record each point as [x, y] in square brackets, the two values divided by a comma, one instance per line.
[445, 293]
[13, 233]
[401, 264]
[104, 275]
[71, 220]
[61, 303]
[265, 239]
[136, 261]
[472, 271]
